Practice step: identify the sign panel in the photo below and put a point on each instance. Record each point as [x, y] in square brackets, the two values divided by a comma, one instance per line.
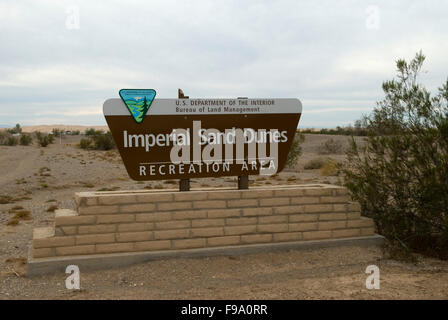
[196, 138]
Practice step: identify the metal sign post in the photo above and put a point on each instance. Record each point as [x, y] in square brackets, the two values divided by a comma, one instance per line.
[184, 184]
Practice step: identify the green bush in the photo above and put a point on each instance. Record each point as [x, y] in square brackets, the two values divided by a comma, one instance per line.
[16, 129]
[98, 141]
[296, 149]
[400, 176]
[4, 135]
[85, 143]
[103, 141]
[44, 139]
[358, 129]
[92, 132]
[25, 140]
[12, 141]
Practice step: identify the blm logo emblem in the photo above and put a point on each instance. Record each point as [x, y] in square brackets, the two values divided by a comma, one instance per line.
[138, 101]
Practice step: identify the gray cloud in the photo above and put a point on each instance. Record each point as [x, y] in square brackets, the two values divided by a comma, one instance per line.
[322, 53]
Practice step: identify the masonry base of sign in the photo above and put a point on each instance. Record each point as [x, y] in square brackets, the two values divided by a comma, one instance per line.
[111, 229]
[106, 261]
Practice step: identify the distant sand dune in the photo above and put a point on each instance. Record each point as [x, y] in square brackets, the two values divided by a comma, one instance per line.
[49, 128]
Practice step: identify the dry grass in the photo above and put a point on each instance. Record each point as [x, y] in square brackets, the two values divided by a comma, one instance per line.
[88, 185]
[109, 189]
[6, 199]
[19, 260]
[52, 208]
[22, 215]
[314, 164]
[330, 168]
[13, 222]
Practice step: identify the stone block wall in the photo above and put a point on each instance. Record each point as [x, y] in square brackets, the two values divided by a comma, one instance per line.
[135, 221]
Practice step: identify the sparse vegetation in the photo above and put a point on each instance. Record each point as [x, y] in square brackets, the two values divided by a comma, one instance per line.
[296, 149]
[314, 164]
[22, 215]
[330, 168]
[5, 199]
[400, 176]
[88, 185]
[25, 139]
[13, 222]
[12, 141]
[331, 146]
[358, 129]
[109, 189]
[98, 140]
[44, 139]
[16, 129]
[19, 214]
[52, 208]
[85, 143]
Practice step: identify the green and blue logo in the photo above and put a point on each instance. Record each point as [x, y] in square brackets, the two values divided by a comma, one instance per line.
[138, 101]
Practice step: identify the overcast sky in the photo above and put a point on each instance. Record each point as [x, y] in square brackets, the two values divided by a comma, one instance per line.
[59, 60]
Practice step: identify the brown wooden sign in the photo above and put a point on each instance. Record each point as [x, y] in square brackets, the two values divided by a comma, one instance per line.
[196, 138]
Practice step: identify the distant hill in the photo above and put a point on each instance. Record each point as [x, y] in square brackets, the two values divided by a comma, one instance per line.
[49, 128]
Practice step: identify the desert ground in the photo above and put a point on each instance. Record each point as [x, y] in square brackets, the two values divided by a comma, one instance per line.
[39, 179]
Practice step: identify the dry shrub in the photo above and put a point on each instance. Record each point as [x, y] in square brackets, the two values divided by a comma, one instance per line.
[4, 199]
[330, 168]
[314, 164]
[13, 222]
[331, 146]
[22, 215]
[52, 208]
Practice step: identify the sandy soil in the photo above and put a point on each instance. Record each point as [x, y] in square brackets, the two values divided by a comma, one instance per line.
[36, 178]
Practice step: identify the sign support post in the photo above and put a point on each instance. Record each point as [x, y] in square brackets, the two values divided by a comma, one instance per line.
[243, 182]
[184, 184]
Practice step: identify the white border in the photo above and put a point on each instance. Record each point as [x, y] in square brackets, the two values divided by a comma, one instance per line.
[116, 107]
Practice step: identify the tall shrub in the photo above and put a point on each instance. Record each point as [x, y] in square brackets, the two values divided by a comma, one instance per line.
[400, 176]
